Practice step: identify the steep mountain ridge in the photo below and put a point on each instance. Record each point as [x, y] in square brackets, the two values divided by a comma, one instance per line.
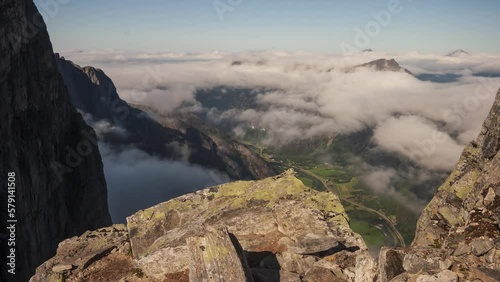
[60, 186]
[93, 92]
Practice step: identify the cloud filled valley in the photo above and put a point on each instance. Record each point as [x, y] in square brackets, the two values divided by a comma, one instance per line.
[412, 119]
[301, 96]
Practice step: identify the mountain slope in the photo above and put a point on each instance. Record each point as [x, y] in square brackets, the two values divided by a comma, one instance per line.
[458, 233]
[237, 157]
[384, 65]
[60, 186]
[472, 188]
[92, 92]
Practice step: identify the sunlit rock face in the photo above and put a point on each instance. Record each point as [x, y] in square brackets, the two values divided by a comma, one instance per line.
[287, 232]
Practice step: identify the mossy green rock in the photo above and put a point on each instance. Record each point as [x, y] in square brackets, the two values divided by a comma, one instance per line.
[275, 214]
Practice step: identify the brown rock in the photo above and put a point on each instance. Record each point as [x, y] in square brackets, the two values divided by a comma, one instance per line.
[295, 263]
[272, 275]
[443, 276]
[427, 260]
[403, 277]
[62, 268]
[486, 274]
[81, 253]
[217, 257]
[390, 264]
[481, 246]
[319, 274]
[462, 249]
[273, 215]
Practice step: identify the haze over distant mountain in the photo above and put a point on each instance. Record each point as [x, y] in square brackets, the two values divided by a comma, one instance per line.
[385, 65]
[458, 53]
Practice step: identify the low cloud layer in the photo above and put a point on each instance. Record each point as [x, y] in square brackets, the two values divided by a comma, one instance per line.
[418, 139]
[310, 95]
[137, 180]
[382, 179]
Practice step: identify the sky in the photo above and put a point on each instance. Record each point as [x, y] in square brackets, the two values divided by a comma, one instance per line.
[239, 25]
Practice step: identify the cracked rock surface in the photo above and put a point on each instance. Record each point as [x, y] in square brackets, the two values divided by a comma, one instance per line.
[286, 230]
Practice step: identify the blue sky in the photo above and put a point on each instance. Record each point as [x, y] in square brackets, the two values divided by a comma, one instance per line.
[314, 26]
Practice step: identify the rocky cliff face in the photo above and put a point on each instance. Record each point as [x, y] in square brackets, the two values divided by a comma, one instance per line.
[287, 232]
[458, 233]
[60, 186]
[92, 92]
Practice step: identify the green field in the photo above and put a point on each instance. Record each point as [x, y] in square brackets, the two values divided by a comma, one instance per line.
[344, 178]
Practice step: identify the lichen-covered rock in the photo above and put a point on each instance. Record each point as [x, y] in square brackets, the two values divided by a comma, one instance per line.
[284, 231]
[467, 205]
[217, 257]
[276, 215]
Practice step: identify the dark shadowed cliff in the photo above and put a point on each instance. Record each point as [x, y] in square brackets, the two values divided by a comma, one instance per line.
[60, 186]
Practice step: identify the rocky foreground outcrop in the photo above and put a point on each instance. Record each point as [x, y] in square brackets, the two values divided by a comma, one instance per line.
[60, 186]
[287, 232]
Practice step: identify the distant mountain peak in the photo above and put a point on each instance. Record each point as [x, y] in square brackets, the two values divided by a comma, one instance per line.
[385, 65]
[458, 53]
[367, 51]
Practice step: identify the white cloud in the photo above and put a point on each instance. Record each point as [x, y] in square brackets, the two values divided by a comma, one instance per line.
[419, 140]
[312, 95]
[381, 180]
